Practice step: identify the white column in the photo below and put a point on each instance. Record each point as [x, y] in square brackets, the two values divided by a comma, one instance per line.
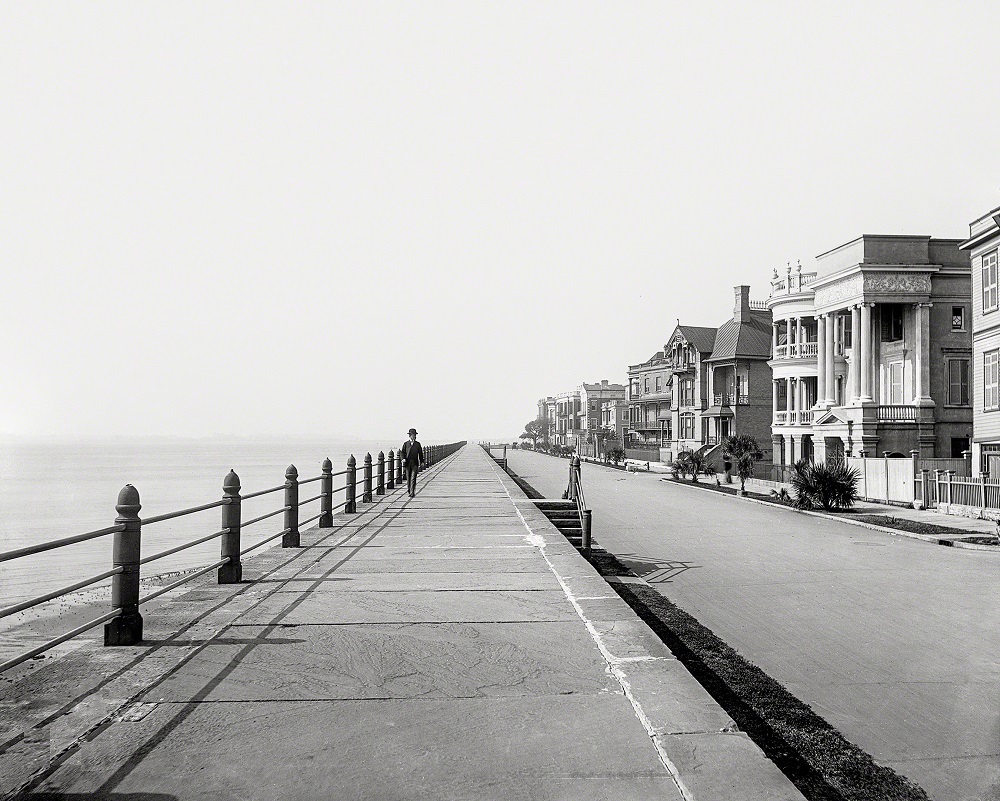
[865, 364]
[855, 353]
[789, 396]
[774, 339]
[821, 361]
[829, 384]
[922, 374]
[774, 400]
[798, 335]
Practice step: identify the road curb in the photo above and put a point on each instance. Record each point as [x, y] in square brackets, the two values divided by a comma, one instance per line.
[895, 532]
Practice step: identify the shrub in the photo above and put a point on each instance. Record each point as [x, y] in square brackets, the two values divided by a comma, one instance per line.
[615, 454]
[822, 486]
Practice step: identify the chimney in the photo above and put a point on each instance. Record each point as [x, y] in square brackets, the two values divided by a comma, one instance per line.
[741, 309]
[604, 382]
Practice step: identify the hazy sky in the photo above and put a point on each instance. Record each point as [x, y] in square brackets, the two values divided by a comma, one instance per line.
[301, 218]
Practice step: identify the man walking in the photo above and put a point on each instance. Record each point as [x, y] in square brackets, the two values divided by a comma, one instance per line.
[413, 460]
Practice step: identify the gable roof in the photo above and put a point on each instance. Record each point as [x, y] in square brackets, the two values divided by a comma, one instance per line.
[748, 339]
[702, 337]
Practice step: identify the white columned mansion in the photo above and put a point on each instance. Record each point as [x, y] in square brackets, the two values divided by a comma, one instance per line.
[870, 352]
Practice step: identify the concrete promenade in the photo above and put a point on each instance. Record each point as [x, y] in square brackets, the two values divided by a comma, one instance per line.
[452, 646]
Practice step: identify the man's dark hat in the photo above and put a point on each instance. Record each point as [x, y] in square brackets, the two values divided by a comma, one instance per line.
[412, 431]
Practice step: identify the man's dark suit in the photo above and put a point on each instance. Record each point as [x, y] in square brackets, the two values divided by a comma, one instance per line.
[413, 458]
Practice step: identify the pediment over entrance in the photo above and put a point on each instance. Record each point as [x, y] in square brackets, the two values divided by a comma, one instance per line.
[830, 417]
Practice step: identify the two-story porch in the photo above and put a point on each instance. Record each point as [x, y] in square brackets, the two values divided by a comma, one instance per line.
[889, 372]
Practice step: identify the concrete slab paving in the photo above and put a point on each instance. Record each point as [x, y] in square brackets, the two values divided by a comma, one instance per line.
[426, 606]
[390, 660]
[450, 646]
[510, 748]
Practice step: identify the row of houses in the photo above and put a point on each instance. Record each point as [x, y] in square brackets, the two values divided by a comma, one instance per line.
[890, 345]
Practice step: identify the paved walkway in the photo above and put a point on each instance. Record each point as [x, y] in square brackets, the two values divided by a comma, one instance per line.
[893, 641]
[453, 646]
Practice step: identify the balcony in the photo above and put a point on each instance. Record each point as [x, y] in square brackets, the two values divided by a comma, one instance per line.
[794, 417]
[731, 400]
[649, 425]
[799, 350]
[896, 414]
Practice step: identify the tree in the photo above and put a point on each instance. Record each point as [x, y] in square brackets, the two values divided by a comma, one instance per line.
[535, 430]
[744, 452]
[615, 453]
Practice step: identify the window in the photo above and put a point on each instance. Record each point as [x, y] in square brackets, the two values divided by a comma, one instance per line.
[892, 322]
[657, 383]
[958, 382]
[687, 426]
[991, 399]
[896, 383]
[687, 392]
[958, 318]
[990, 281]
[645, 385]
[634, 388]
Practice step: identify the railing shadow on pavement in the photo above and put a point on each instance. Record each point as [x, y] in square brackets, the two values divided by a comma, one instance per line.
[655, 571]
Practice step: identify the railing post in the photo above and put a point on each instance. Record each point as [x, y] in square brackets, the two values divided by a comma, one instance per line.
[399, 468]
[232, 572]
[326, 490]
[982, 495]
[126, 629]
[367, 496]
[967, 455]
[390, 482]
[351, 507]
[380, 486]
[937, 484]
[925, 490]
[949, 474]
[290, 539]
[585, 539]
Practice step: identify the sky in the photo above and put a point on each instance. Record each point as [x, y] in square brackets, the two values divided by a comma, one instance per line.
[351, 218]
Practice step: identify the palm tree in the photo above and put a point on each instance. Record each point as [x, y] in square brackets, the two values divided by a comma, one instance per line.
[744, 452]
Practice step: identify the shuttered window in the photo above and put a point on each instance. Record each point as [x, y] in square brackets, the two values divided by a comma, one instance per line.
[990, 281]
[896, 383]
[991, 380]
[958, 382]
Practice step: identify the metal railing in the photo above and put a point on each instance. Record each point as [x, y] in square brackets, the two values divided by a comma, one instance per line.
[574, 492]
[123, 623]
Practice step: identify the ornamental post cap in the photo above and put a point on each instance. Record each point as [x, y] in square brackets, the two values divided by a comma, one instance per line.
[128, 501]
[381, 456]
[327, 465]
[351, 461]
[291, 472]
[231, 483]
[368, 458]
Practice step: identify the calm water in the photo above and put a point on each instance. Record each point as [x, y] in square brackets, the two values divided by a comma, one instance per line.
[50, 490]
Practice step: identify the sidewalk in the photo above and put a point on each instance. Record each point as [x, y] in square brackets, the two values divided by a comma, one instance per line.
[453, 646]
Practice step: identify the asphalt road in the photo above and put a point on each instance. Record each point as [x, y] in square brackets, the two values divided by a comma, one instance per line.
[894, 641]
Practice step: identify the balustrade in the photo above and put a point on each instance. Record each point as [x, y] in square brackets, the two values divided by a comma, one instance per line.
[896, 413]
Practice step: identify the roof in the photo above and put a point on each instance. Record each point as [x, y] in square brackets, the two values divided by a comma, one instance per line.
[702, 337]
[748, 339]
